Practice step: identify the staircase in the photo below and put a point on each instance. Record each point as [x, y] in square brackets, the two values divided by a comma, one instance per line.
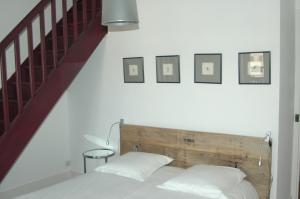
[31, 92]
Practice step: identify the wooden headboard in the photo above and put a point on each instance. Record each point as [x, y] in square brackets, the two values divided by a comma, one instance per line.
[189, 148]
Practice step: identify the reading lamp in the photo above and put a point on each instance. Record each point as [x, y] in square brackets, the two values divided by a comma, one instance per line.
[119, 12]
[101, 142]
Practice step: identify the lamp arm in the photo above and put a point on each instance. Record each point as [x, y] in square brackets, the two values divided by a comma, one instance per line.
[111, 127]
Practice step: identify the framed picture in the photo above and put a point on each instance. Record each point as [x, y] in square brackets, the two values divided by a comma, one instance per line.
[133, 70]
[208, 68]
[168, 69]
[255, 67]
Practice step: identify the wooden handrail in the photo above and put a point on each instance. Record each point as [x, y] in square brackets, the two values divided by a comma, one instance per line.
[23, 24]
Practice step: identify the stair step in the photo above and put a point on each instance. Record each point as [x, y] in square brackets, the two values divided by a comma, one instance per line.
[60, 41]
[59, 25]
[13, 109]
[70, 30]
[89, 5]
[37, 73]
[12, 90]
[49, 57]
[25, 77]
[79, 16]
[70, 27]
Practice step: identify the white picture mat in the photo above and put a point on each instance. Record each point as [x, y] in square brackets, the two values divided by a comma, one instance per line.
[168, 69]
[208, 68]
[133, 70]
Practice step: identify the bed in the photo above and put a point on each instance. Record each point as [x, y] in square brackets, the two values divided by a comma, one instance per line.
[187, 149]
[101, 185]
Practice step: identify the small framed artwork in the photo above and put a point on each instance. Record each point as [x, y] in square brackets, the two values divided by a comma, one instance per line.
[208, 68]
[168, 69]
[133, 70]
[255, 67]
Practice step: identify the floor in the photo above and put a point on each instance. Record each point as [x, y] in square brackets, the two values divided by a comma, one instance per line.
[9, 194]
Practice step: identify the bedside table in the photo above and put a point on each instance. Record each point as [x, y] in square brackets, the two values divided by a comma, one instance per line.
[97, 154]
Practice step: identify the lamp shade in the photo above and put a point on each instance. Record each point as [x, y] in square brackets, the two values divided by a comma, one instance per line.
[119, 12]
[98, 141]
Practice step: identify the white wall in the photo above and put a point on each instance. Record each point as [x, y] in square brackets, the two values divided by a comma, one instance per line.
[295, 170]
[49, 150]
[46, 154]
[11, 12]
[98, 97]
[286, 110]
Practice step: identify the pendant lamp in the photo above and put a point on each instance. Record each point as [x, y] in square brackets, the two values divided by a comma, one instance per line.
[119, 12]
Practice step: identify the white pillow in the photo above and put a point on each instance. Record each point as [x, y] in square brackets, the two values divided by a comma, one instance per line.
[205, 180]
[135, 165]
[243, 190]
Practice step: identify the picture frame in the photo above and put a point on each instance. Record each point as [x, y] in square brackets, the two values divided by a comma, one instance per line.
[133, 68]
[255, 67]
[168, 69]
[208, 68]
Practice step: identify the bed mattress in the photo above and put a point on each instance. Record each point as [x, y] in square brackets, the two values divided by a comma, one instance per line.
[99, 185]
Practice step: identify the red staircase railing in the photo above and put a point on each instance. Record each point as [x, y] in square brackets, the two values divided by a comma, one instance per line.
[17, 90]
[38, 82]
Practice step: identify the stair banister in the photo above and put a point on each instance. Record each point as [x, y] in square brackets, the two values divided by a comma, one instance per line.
[26, 24]
[29, 94]
[13, 38]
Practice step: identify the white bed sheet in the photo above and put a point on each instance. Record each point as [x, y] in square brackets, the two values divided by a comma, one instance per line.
[99, 185]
